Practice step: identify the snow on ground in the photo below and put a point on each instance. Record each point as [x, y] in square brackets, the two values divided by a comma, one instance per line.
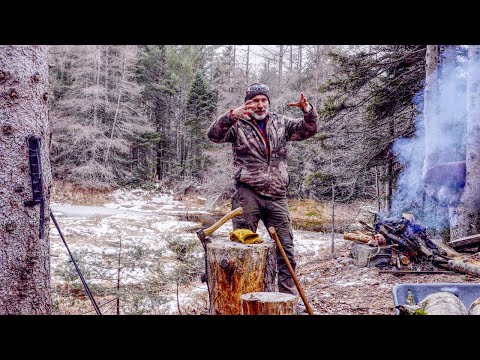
[143, 223]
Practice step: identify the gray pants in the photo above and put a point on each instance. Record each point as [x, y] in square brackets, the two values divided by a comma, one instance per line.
[272, 212]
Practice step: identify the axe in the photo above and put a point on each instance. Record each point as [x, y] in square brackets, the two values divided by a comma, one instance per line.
[204, 233]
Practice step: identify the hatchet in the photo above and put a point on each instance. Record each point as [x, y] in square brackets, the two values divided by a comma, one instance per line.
[204, 233]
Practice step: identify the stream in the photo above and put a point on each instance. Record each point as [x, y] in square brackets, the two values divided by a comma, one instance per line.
[138, 229]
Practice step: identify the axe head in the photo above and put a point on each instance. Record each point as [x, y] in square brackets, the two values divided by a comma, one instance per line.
[204, 233]
[203, 238]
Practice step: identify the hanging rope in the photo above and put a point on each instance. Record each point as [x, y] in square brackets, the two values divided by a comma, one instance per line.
[87, 289]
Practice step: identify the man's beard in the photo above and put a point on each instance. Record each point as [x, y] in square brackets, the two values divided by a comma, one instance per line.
[259, 117]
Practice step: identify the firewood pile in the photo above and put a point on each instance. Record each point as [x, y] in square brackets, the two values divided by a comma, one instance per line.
[410, 244]
[413, 244]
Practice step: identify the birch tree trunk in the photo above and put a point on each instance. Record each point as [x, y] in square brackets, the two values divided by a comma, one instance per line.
[465, 217]
[280, 65]
[429, 111]
[300, 65]
[24, 256]
[247, 72]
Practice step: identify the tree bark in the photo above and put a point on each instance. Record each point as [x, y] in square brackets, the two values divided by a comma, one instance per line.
[234, 269]
[247, 72]
[464, 267]
[24, 256]
[268, 303]
[280, 65]
[429, 111]
[300, 65]
[443, 303]
[466, 216]
[474, 308]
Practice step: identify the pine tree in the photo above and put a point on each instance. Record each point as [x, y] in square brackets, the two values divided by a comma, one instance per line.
[94, 117]
[24, 225]
[368, 105]
[200, 106]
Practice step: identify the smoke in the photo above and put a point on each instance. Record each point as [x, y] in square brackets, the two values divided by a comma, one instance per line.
[410, 153]
[444, 143]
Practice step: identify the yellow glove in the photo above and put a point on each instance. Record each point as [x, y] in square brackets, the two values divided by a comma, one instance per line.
[245, 236]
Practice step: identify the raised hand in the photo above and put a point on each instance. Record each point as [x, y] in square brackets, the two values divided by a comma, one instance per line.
[302, 104]
[243, 111]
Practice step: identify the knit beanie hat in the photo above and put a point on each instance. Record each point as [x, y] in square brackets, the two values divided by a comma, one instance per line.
[257, 89]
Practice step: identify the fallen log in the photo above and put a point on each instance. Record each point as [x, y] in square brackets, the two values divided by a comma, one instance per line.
[439, 243]
[463, 267]
[268, 303]
[403, 272]
[234, 269]
[467, 241]
[357, 237]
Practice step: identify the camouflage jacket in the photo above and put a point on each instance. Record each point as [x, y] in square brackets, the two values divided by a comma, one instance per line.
[265, 170]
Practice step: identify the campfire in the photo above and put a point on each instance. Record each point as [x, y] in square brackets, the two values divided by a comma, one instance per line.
[408, 243]
[413, 243]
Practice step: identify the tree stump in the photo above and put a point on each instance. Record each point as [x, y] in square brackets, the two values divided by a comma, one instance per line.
[234, 269]
[268, 303]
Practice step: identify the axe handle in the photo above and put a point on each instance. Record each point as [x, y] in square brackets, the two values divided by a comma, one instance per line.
[208, 231]
[274, 236]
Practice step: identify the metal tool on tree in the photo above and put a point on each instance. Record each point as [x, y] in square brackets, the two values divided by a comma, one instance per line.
[203, 235]
[34, 144]
[274, 236]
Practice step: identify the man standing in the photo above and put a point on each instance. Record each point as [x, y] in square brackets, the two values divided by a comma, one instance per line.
[259, 142]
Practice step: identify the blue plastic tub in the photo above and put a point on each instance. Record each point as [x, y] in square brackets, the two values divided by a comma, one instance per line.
[466, 292]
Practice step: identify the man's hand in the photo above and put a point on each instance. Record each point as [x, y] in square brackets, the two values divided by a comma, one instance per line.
[243, 111]
[302, 104]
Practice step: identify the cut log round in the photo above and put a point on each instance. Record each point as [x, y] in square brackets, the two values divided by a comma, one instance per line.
[234, 269]
[439, 303]
[474, 308]
[268, 303]
[443, 303]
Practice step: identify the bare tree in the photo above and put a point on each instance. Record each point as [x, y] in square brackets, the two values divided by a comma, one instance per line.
[24, 244]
